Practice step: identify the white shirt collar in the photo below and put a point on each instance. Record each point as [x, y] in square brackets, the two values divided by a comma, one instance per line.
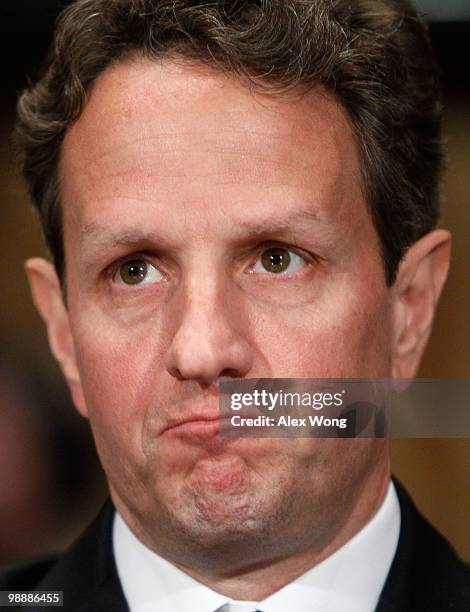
[350, 580]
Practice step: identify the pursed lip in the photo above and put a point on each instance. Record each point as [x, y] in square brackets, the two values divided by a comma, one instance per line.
[208, 421]
[196, 425]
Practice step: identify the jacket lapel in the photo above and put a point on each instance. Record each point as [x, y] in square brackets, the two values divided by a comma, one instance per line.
[426, 574]
[87, 573]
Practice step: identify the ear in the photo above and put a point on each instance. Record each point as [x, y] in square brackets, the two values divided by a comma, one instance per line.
[48, 299]
[420, 280]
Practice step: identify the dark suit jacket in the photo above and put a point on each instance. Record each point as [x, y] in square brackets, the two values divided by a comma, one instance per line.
[426, 575]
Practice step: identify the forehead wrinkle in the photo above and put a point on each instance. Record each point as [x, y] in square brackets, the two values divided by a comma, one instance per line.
[166, 164]
[227, 141]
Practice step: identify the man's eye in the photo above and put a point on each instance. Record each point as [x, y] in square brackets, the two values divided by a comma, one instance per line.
[137, 272]
[279, 260]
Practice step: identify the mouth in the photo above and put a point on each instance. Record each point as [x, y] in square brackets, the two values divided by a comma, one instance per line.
[198, 426]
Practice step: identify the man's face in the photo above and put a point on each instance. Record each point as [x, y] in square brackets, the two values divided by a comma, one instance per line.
[211, 231]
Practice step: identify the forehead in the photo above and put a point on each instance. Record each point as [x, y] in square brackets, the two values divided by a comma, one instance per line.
[183, 135]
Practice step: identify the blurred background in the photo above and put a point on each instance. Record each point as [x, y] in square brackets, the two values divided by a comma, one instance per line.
[49, 474]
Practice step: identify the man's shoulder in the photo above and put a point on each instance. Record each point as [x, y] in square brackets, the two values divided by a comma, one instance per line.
[426, 574]
[86, 572]
[25, 575]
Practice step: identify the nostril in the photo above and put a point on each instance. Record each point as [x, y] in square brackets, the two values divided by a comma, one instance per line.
[232, 373]
[175, 373]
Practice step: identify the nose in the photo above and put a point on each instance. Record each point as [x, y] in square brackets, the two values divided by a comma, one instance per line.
[208, 341]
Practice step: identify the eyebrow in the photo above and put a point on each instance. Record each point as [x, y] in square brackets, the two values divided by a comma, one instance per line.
[104, 235]
[304, 223]
[112, 236]
[280, 222]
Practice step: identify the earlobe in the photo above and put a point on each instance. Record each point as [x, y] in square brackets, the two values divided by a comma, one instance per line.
[421, 278]
[48, 299]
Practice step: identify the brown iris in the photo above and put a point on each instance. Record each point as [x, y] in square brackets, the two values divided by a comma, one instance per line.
[275, 260]
[133, 272]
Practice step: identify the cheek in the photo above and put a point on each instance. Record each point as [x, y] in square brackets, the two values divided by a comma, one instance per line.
[344, 336]
[120, 387]
[120, 369]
